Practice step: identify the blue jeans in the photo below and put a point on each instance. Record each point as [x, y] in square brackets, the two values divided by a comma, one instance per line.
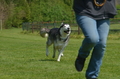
[95, 32]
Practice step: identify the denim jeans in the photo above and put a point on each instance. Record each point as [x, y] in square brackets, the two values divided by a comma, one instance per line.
[95, 32]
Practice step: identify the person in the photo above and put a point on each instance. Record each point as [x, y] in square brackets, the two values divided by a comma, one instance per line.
[93, 16]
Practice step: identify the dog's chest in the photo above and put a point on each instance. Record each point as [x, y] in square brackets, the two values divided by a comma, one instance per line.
[60, 44]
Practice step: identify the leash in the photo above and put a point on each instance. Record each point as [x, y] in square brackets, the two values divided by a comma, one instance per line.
[99, 4]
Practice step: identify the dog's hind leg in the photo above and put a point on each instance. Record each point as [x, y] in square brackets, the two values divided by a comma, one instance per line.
[48, 43]
[54, 51]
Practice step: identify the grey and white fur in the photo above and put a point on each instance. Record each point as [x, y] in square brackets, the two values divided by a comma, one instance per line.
[59, 37]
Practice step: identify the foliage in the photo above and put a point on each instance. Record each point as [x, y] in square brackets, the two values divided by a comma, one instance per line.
[15, 12]
[19, 11]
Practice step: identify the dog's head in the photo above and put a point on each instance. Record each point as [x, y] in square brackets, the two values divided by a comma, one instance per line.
[65, 28]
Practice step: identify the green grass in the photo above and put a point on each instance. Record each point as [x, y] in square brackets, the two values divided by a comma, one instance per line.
[22, 56]
[115, 26]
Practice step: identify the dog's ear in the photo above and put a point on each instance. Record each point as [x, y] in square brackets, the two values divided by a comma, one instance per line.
[62, 24]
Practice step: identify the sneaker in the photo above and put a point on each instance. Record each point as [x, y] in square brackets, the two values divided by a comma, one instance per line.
[79, 63]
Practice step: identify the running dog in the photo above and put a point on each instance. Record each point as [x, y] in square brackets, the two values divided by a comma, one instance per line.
[59, 37]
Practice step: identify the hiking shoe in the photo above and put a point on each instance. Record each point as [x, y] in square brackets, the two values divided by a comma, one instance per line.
[79, 63]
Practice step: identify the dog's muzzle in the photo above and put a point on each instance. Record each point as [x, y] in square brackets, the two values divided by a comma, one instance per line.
[67, 31]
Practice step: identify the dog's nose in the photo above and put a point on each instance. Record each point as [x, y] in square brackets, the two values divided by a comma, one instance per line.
[68, 28]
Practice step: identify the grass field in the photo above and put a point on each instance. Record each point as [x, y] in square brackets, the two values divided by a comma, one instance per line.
[22, 56]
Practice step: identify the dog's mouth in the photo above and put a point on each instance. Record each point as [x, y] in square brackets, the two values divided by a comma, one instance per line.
[67, 31]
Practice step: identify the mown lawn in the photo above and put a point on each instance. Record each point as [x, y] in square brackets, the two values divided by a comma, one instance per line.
[22, 56]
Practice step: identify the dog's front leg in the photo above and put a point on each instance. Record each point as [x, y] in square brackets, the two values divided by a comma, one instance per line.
[60, 54]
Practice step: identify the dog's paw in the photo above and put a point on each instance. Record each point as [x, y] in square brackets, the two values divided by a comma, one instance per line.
[53, 56]
[47, 55]
[58, 60]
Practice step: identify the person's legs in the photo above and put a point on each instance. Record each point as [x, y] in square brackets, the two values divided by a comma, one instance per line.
[99, 49]
[96, 33]
[89, 28]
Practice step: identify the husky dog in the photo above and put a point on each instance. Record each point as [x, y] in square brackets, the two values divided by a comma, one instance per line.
[59, 37]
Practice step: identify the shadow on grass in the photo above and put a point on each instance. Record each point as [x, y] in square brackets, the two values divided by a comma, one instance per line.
[47, 60]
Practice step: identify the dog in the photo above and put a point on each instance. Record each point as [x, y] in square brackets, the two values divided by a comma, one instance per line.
[59, 37]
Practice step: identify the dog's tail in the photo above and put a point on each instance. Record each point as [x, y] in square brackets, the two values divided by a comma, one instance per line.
[44, 32]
